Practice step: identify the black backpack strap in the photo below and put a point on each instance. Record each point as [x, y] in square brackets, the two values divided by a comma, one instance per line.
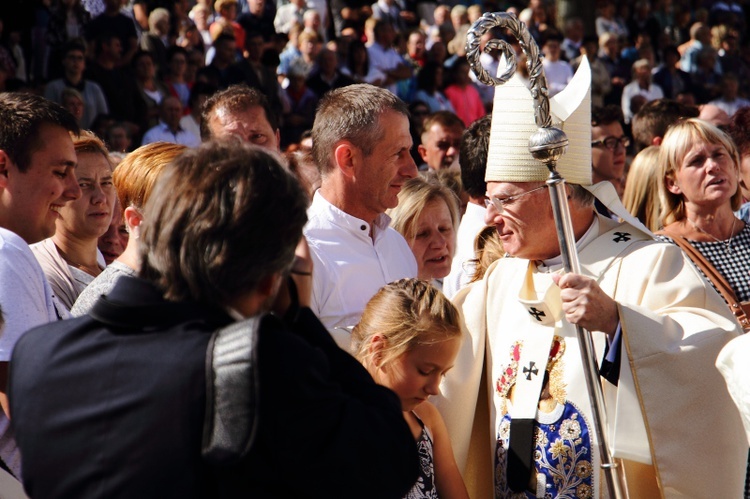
[231, 418]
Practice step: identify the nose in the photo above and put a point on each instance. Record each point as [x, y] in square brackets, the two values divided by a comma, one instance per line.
[712, 165]
[72, 189]
[433, 386]
[491, 215]
[438, 240]
[409, 170]
[98, 196]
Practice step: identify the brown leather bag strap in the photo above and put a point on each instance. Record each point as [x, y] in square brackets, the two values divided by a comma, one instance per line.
[718, 280]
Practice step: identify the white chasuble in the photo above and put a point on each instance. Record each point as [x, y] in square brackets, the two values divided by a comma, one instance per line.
[673, 325]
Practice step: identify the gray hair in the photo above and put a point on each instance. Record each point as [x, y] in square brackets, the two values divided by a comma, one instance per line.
[351, 113]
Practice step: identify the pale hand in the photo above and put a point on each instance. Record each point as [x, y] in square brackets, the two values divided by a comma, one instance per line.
[586, 305]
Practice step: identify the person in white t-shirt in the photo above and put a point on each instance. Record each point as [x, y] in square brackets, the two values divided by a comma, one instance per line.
[37, 178]
[558, 72]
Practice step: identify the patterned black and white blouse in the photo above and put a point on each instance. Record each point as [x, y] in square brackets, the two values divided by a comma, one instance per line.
[731, 260]
[425, 486]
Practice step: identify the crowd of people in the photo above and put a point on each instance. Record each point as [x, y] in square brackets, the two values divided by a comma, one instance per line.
[121, 66]
[243, 242]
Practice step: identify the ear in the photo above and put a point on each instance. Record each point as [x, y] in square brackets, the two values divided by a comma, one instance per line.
[278, 139]
[672, 186]
[133, 217]
[5, 163]
[269, 284]
[422, 152]
[656, 141]
[345, 155]
[375, 349]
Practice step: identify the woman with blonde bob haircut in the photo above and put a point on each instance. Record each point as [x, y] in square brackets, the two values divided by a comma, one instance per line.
[699, 191]
[641, 196]
[427, 216]
[134, 179]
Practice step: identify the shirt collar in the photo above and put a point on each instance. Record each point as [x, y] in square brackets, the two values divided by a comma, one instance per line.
[346, 221]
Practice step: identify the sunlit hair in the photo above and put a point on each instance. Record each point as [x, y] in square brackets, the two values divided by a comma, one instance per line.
[677, 142]
[415, 195]
[351, 113]
[88, 142]
[221, 219]
[135, 176]
[488, 248]
[405, 313]
[641, 196]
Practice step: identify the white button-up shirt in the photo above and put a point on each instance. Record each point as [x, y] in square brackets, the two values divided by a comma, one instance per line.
[349, 265]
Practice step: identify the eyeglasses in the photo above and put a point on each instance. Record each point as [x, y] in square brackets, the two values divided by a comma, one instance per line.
[611, 142]
[500, 203]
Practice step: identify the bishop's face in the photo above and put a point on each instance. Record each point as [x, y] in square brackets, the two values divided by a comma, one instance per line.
[526, 225]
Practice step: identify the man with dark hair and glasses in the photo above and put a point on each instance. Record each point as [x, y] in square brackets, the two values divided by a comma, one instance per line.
[608, 146]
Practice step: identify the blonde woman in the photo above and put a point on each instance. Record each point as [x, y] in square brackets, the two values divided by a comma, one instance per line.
[70, 259]
[641, 196]
[427, 216]
[699, 191]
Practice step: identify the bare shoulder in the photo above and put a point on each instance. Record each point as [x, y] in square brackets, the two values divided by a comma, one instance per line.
[430, 416]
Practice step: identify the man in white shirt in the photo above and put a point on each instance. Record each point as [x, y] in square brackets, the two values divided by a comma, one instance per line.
[640, 86]
[730, 102]
[558, 71]
[361, 144]
[384, 57]
[473, 161]
[37, 177]
[169, 129]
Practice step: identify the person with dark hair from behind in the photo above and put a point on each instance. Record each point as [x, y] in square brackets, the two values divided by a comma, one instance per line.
[214, 277]
[242, 112]
[473, 162]
[652, 120]
[37, 178]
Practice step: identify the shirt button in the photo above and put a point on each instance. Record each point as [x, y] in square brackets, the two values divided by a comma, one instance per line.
[363, 227]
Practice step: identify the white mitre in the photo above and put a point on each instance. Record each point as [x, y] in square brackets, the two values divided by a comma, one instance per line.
[513, 123]
[509, 159]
